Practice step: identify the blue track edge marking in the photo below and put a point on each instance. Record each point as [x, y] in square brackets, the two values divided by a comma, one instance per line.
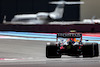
[29, 35]
[41, 36]
[46, 39]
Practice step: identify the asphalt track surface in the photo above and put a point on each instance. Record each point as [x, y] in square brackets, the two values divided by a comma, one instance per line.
[31, 53]
[23, 53]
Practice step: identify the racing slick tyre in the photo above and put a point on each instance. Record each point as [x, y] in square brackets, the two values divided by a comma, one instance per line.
[96, 49]
[90, 50]
[52, 51]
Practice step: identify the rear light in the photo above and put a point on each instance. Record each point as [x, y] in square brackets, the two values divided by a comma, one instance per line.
[79, 47]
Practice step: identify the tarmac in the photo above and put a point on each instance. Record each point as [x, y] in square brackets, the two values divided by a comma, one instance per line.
[31, 53]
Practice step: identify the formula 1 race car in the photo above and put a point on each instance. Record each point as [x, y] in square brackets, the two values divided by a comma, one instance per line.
[71, 44]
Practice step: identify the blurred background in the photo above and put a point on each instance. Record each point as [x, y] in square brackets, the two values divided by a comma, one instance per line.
[90, 10]
[9, 8]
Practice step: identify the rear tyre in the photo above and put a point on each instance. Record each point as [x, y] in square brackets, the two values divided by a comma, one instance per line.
[96, 49]
[52, 51]
[90, 50]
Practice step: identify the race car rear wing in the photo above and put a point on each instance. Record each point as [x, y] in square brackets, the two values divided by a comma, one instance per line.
[69, 35]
